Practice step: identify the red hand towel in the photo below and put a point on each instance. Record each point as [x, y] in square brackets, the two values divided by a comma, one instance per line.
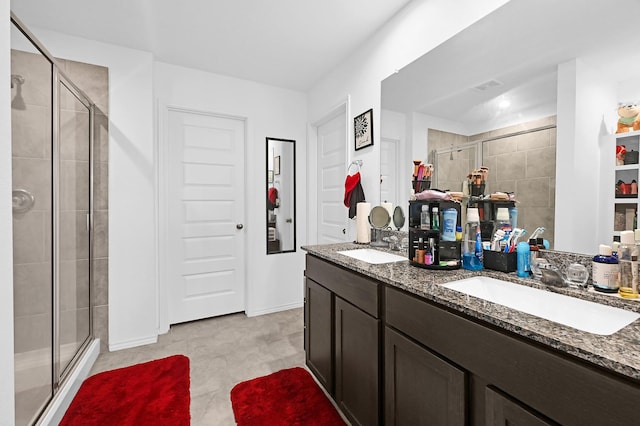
[272, 195]
[349, 185]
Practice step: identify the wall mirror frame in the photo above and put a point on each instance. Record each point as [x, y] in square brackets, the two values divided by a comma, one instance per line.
[458, 86]
[280, 182]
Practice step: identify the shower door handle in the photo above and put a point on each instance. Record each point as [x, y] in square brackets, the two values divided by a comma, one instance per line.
[89, 224]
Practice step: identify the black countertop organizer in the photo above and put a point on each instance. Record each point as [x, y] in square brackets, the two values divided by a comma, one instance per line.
[444, 254]
[488, 210]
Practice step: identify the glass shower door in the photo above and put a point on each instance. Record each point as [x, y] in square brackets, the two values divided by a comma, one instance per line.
[453, 165]
[52, 143]
[73, 236]
[31, 121]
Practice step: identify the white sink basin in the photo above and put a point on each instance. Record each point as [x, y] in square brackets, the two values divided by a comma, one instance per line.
[372, 256]
[577, 313]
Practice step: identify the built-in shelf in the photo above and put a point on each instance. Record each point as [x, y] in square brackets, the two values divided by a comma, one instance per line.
[625, 205]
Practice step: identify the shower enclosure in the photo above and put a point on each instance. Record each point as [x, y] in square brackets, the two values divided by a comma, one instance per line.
[52, 156]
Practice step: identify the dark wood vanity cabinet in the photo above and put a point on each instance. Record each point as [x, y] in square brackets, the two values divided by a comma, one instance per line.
[391, 357]
[510, 380]
[503, 411]
[357, 342]
[420, 387]
[318, 333]
[342, 338]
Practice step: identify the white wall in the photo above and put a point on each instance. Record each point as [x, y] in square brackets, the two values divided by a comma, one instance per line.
[274, 281]
[415, 30]
[6, 227]
[132, 256]
[586, 101]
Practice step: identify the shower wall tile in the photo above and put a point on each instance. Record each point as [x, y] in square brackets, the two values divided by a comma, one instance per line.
[510, 166]
[533, 192]
[101, 234]
[31, 132]
[74, 289]
[92, 79]
[499, 147]
[532, 141]
[101, 182]
[74, 185]
[34, 175]
[29, 237]
[74, 326]
[101, 138]
[74, 236]
[32, 293]
[74, 134]
[101, 326]
[100, 281]
[541, 162]
[32, 332]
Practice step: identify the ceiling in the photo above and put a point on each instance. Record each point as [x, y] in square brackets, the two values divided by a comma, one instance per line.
[285, 43]
[520, 46]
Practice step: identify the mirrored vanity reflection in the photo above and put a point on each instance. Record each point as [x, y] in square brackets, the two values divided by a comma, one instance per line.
[281, 195]
[483, 99]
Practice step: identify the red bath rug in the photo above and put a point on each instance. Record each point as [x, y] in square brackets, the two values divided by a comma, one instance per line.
[151, 393]
[287, 397]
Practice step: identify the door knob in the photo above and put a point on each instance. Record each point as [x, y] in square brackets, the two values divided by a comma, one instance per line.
[289, 220]
[239, 226]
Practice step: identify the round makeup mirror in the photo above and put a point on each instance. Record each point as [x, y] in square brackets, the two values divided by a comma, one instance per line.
[379, 219]
[398, 217]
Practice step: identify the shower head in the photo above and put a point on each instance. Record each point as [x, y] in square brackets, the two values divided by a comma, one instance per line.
[17, 102]
[16, 79]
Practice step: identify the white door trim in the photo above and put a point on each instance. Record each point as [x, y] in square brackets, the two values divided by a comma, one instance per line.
[162, 198]
[342, 108]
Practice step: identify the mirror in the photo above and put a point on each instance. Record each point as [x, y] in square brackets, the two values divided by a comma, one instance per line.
[499, 73]
[281, 195]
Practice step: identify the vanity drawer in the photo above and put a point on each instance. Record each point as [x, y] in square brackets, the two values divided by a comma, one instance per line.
[352, 287]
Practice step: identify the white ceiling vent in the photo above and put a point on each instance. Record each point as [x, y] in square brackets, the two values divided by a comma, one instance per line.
[488, 85]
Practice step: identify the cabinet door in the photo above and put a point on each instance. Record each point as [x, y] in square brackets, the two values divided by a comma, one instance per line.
[420, 387]
[502, 411]
[357, 364]
[318, 326]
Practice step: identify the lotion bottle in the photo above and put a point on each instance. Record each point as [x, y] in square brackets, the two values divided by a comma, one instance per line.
[605, 270]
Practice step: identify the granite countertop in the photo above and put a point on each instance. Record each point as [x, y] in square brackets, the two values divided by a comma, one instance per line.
[619, 352]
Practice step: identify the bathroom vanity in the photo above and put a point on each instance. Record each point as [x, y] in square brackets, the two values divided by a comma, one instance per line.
[393, 346]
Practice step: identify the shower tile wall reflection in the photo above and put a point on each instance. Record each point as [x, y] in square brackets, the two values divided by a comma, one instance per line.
[524, 164]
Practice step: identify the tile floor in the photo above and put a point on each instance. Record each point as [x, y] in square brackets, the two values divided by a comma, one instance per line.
[223, 351]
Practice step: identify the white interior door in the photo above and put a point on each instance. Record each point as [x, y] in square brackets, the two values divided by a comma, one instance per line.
[205, 213]
[332, 214]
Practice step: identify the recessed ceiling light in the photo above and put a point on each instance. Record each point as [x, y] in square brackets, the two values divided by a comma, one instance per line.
[504, 104]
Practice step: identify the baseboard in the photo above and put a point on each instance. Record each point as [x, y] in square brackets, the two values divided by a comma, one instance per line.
[133, 343]
[68, 391]
[274, 309]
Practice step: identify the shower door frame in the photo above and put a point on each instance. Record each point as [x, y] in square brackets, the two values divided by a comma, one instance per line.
[433, 155]
[58, 76]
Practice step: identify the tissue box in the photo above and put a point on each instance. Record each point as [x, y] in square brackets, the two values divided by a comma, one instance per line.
[500, 261]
